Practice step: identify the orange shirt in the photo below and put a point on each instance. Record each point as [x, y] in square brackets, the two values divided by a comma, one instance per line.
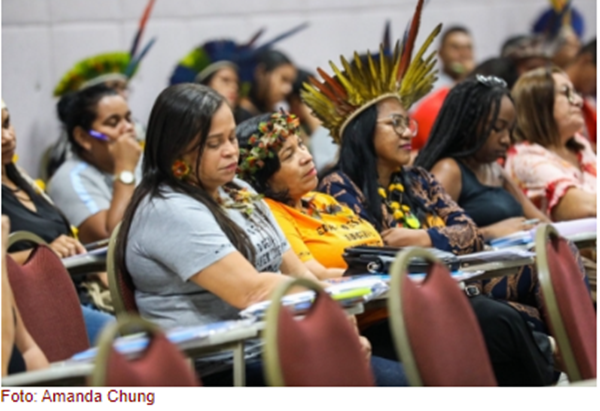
[325, 234]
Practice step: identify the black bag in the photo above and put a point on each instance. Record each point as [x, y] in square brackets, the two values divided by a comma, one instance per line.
[378, 260]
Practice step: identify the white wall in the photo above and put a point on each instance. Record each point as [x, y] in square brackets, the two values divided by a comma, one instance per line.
[41, 39]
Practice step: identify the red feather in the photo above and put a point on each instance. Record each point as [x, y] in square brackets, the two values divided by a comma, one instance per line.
[410, 42]
[323, 89]
[143, 22]
[339, 90]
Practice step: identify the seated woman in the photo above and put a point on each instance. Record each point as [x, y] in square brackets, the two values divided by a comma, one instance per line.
[19, 350]
[213, 64]
[273, 80]
[199, 244]
[94, 186]
[275, 161]
[552, 163]
[30, 209]
[365, 108]
[472, 131]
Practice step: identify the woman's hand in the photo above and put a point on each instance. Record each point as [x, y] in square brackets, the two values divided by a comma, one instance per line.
[403, 237]
[126, 152]
[505, 227]
[65, 246]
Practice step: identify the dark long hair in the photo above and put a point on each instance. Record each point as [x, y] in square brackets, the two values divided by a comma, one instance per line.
[269, 60]
[358, 161]
[16, 177]
[180, 115]
[462, 127]
[259, 180]
[79, 109]
[75, 109]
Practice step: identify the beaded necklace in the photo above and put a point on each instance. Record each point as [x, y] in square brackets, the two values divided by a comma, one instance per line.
[239, 199]
[392, 198]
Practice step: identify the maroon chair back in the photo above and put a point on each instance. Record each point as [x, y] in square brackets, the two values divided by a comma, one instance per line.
[122, 289]
[320, 350]
[48, 303]
[160, 365]
[436, 332]
[574, 305]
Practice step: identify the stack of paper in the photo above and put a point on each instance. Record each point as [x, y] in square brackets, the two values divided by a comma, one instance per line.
[348, 293]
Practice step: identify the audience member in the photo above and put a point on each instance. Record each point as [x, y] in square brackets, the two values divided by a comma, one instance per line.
[472, 132]
[314, 135]
[582, 73]
[456, 55]
[191, 158]
[407, 205]
[275, 161]
[31, 210]
[94, 186]
[113, 70]
[213, 64]
[527, 52]
[28, 207]
[274, 77]
[552, 163]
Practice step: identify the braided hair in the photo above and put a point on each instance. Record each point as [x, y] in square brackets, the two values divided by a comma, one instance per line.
[462, 125]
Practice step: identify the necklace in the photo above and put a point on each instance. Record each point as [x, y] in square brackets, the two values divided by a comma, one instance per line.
[239, 199]
[392, 198]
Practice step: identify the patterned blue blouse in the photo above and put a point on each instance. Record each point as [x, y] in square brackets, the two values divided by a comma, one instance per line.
[459, 235]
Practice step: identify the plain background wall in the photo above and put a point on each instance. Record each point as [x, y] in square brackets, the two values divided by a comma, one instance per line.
[42, 39]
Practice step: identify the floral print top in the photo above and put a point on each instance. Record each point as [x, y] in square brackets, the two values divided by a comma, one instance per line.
[545, 177]
[458, 233]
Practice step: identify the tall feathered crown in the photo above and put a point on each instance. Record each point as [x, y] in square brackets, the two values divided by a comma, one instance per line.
[107, 66]
[336, 101]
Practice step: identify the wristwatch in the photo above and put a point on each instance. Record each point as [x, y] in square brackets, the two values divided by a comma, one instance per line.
[125, 177]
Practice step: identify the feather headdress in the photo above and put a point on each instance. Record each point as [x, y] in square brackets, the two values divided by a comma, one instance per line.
[107, 66]
[336, 101]
[559, 15]
[207, 58]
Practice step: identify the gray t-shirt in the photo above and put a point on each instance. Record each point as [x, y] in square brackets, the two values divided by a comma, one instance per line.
[173, 238]
[80, 190]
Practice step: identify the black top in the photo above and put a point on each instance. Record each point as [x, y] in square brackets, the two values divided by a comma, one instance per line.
[47, 222]
[486, 205]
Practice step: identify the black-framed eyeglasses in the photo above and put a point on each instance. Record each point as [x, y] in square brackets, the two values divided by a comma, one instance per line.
[573, 97]
[400, 124]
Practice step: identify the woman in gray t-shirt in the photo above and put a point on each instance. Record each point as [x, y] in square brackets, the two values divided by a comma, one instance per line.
[194, 239]
[200, 244]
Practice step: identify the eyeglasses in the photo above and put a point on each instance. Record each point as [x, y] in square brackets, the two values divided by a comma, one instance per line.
[572, 96]
[401, 124]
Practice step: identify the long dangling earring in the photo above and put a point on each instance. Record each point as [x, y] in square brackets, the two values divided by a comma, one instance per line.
[181, 169]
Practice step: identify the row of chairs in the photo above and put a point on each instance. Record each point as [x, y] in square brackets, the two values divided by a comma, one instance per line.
[322, 349]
